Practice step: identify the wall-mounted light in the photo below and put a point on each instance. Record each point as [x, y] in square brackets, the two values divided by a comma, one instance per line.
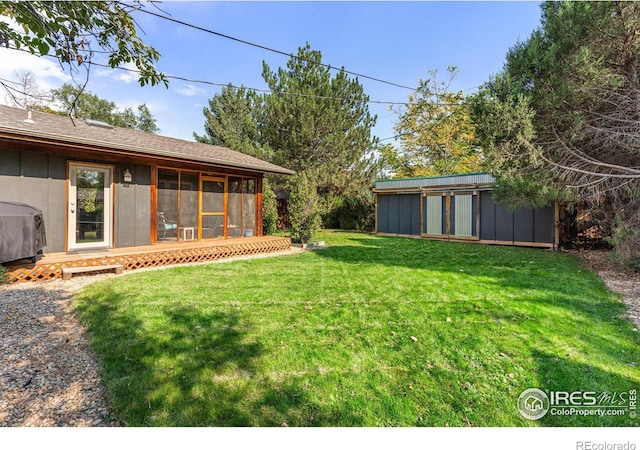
[127, 177]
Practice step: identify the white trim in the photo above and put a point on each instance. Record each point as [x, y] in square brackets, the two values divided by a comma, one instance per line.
[72, 207]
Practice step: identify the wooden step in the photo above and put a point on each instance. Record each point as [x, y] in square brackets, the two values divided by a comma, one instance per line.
[67, 272]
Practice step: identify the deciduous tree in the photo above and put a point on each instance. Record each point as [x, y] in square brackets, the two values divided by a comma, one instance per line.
[436, 132]
[90, 106]
[73, 31]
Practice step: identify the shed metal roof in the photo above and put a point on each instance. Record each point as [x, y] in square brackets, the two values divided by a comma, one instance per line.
[54, 128]
[446, 180]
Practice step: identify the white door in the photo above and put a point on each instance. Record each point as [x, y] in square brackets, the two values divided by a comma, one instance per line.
[90, 206]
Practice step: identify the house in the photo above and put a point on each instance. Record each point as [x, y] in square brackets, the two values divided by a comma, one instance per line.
[460, 208]
[102, 187]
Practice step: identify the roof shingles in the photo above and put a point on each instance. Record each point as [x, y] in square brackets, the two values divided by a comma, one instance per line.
[76, 131]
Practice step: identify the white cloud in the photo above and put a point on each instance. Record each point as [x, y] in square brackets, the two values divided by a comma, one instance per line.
[125, 75]
[47, 73]
[190, 90]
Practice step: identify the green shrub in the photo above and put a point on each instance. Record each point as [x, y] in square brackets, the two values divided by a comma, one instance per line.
[355, 211]
[625, 239]
[3, 275]
[304, 208]
[269, 209]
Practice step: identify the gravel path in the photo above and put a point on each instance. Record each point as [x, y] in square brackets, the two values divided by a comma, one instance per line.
[626, 283]
[48, 373]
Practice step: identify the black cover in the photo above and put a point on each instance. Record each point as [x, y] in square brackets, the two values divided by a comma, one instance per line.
[22, 233]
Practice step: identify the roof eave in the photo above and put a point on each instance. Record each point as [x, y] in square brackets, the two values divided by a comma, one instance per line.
[140, 150]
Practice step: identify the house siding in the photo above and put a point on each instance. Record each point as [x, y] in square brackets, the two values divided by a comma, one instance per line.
[133, 206]
[40, 180]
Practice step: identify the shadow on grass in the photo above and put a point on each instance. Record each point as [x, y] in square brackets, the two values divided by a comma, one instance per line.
[196, 369]
[566, 283]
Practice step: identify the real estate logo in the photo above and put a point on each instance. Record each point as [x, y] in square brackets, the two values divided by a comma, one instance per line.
[533, 404]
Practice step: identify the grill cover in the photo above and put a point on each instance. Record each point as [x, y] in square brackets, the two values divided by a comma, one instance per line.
[22, 233]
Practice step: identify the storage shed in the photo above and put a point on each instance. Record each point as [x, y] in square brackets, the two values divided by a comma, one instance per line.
[460, 208]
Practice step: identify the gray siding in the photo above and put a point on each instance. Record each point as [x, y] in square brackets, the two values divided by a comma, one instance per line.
[383, 213]
[498, 223]
[399, 214]
[40, 180]
[133, 206]
[544, 220]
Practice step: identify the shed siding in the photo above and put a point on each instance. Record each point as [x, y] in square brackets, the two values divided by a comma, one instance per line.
[399, 214]
[463, 219]
[544, 224]
[383, 213]
[523, 225]
[504, 223]
[434, 210]
[487, 217]
[415, 215]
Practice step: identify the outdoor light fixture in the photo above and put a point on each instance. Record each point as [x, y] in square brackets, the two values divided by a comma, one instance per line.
[126, 176]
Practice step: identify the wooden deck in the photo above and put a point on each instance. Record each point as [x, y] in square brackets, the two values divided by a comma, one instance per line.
[50, 265]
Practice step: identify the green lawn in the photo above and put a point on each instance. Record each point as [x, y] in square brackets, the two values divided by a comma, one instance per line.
[372, 331]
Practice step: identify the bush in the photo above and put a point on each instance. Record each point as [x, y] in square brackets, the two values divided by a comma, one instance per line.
[269, 208]
[304, 209]
[625, 239]
[3, 275]
[351, 212]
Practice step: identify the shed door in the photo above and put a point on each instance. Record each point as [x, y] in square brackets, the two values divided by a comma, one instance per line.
[451, 214]
[435, 214]
[90, 206]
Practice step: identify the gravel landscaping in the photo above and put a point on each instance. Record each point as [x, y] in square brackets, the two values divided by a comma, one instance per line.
[48, 374]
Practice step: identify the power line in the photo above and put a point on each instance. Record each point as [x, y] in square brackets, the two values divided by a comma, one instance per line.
[263, 47]
[268, 91]
[211, 83]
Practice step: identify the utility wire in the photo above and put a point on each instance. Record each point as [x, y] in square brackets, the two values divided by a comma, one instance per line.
[211, 83]
[242, 41]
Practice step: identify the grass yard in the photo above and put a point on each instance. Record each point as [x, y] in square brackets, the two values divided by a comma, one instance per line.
[372, 331]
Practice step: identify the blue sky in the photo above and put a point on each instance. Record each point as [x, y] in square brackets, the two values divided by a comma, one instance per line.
[395, 41]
